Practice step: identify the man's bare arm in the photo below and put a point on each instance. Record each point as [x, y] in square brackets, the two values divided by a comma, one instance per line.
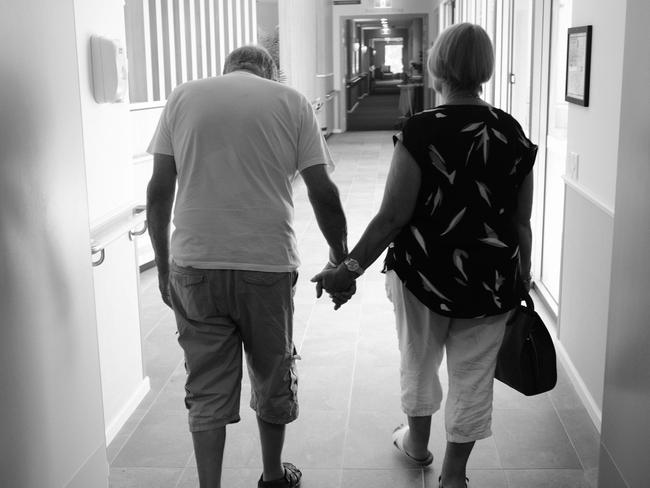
[160, 200]
[324, 197]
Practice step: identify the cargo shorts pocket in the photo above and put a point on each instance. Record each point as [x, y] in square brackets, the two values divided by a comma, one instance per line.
[261, 278]
[192, 295]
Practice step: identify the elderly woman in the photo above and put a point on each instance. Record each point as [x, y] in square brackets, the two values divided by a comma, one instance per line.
[459, 249]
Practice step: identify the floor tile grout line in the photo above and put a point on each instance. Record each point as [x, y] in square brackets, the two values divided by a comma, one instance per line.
[153, 402]
[573, 445]
[180, 478]
[348, 413]
[156, 324]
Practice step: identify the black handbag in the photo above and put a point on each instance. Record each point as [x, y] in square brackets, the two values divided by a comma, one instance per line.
[526, 360]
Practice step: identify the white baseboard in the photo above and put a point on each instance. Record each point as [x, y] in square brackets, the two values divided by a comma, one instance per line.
[588, 401]
[114, 426]
[549, 316]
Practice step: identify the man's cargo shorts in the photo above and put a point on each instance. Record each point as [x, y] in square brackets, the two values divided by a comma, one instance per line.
[218, 310]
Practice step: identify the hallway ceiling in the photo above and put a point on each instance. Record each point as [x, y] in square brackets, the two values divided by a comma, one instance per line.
[396, 21]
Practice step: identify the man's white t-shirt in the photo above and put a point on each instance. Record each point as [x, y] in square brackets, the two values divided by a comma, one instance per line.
[238, 141]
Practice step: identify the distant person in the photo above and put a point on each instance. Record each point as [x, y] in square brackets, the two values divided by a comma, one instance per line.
[456, 217]
[235, 144]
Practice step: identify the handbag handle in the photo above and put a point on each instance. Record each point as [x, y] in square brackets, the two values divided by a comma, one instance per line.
[525, 295]
[529, 301]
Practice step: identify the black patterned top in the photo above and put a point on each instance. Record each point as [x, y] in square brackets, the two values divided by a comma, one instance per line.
[459, 254]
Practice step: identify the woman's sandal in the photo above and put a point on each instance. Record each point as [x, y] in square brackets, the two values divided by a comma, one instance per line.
[398, 441]
[440, 482]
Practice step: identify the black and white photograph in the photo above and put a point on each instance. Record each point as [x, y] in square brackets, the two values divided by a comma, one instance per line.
[324, 244]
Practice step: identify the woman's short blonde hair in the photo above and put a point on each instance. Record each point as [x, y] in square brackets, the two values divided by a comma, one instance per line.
[462, 58]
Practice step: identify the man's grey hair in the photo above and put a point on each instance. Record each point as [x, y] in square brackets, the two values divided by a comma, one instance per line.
[252, 58]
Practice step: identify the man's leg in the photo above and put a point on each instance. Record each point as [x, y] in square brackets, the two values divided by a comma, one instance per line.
[265, 316]
[272, 440]
[208, 450]
[212, 347]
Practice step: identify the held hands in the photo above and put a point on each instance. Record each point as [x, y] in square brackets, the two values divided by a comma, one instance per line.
[336, 281]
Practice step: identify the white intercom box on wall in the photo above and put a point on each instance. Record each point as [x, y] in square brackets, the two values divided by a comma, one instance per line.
[109, 65]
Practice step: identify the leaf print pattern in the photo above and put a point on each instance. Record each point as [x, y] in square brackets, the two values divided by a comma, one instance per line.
[484, 142]
[493, 241]
[498, 280]
[440, 165]
[418, 237]
[516, 253]
[459, 254]
[437, 201]
[458, 257]
[499, 136]
[514, 166]
[495, 298]
[455, 221]
[469, 153]
[472, 127]
[489, 231]
[484, 192]
[428, 286]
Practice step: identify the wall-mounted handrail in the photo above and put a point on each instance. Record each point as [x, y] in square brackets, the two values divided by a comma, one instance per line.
[123, 222]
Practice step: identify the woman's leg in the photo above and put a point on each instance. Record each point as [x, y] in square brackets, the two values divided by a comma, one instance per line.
[416, 440]
[454, 465]
[472, 348]
[421, 335]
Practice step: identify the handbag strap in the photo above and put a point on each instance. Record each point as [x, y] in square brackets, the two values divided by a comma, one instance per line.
[529, 301]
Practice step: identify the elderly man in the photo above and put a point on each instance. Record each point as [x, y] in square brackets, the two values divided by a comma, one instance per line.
[235, 144]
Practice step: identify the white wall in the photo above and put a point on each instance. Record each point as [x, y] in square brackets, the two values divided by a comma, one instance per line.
[51, 422]
[107, 137]
[625, 436]
[298, 44]
[589, 203]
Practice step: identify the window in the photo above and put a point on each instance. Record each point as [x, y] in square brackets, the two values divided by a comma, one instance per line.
[173, 41]
[393, 57]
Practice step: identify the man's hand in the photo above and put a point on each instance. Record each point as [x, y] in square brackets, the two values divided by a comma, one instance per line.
[319, 284]
[341, 297]
[163, 286]
[338, 282]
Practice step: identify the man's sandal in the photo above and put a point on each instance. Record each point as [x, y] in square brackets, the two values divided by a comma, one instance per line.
[291, 478]
[398, 441]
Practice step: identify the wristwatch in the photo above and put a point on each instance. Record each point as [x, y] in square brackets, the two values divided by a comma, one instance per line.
[353, 265]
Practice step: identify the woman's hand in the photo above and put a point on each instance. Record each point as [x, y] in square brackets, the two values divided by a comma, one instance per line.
[338, 282]
[333, 280]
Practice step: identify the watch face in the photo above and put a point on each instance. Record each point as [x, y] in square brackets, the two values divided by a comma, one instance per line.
[352, 264]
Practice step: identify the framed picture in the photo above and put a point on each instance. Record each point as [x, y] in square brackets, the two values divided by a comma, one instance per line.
[578, 64]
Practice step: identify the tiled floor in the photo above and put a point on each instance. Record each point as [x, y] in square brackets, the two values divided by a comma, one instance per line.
[349, 387]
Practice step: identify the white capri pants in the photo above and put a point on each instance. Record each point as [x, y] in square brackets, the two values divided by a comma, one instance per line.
[472, 346]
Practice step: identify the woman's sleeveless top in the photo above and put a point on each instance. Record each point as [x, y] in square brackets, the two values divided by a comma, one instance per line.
[459, 254]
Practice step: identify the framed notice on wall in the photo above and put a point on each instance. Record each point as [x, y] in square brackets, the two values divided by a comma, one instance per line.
[578, 63]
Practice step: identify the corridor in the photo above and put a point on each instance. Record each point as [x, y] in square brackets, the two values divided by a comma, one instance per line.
[349, 385]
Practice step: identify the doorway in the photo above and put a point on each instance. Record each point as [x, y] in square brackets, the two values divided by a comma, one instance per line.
[384, 79]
